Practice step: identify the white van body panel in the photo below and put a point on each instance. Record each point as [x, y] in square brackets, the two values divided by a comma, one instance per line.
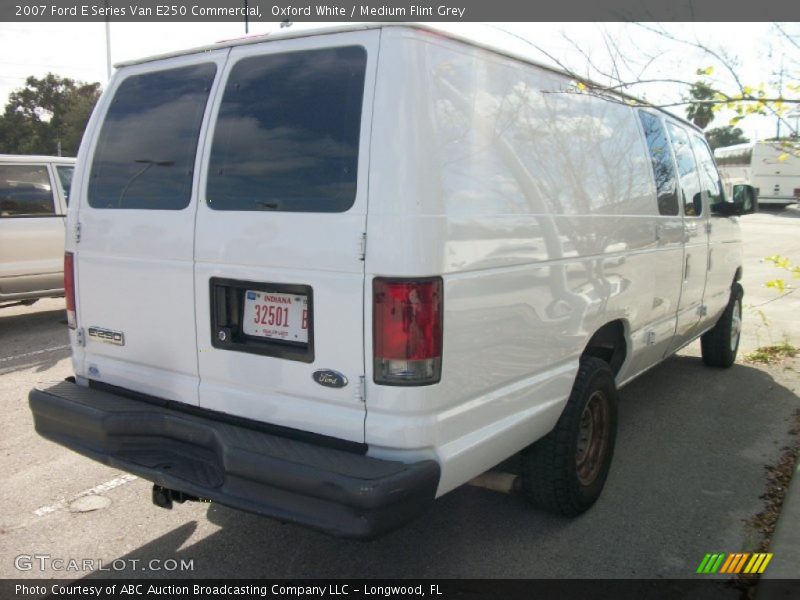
[539, 245]
[536, 205]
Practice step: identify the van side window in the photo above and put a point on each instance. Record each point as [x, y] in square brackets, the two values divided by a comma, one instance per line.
[146, 150]
[709, 178]
[287, 134]
[25, 191]
[687, 171]
[663, 167]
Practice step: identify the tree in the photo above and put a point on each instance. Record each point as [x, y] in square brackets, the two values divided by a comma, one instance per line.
[700, 110]
[727, 135]
[46, 116]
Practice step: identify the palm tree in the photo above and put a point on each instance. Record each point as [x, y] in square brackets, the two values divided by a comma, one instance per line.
[699, 110]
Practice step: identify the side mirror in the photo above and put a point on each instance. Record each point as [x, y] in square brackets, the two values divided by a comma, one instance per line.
[745, 197]
[745, 202]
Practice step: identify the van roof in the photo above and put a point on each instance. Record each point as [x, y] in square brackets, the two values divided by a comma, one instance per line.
[288, 33]
[36, 158]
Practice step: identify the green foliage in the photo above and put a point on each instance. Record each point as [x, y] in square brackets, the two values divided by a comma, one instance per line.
[24, 127]
[727, 135]
[755, 101]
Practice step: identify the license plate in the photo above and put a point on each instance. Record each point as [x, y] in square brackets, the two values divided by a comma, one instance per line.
[276, 316]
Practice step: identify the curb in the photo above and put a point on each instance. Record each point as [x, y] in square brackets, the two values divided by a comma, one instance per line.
[785, 545]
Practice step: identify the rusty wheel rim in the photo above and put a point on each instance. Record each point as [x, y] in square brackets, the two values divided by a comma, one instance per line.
[592, 438]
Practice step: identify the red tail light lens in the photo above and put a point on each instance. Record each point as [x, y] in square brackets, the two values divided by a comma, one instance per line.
[797, 193]
[407, 331]
[69, 289]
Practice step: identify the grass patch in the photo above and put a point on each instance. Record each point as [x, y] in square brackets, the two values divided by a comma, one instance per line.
[769, 355]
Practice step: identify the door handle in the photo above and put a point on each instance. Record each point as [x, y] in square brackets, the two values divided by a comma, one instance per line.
[686, 269]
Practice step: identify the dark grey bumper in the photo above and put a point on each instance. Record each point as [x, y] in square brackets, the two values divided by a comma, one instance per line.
[339, 492]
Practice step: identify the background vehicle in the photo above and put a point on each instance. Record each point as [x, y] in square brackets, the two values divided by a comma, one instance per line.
[760, 164]
[34, 192]
[330, 276]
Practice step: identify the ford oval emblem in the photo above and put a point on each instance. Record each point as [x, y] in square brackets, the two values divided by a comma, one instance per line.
[330, 378]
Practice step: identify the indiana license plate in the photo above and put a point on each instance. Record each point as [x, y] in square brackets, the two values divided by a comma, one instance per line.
[276, 316]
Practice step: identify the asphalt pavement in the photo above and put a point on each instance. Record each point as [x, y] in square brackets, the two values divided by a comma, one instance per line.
[688, 471]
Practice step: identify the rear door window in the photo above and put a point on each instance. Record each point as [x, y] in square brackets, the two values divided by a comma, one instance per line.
[709, 177]
[687, 171]
[663, 167]
[146, 151]
[287, 133]
[25, 191]
[65, 177]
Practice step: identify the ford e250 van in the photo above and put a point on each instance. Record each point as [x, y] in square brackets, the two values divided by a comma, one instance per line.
[328, 277]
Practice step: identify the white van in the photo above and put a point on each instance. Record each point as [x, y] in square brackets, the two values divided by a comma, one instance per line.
[330, 276]
[34, 192]
[773, 168]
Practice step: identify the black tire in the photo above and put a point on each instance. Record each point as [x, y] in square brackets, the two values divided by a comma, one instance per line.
[720, 344]
[554, 475]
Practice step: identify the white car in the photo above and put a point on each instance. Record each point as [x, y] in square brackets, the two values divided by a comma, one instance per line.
[330, 276]
[34, 194]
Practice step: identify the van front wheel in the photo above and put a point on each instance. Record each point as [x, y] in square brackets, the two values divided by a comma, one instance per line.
[720, 344]
[565, 471]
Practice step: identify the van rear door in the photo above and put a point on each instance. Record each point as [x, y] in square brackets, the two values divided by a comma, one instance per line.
[279, 275]
[134, 258]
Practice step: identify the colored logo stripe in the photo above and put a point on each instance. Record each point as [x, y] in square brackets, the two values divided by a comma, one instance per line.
[738, 562]
[758, 563]
[728, 563]
[735, 563]
[710, 563]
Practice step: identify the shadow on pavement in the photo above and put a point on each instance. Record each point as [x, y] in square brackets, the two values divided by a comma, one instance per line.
[792, 211]
[14, 324]
[32, 340]
[687, 473]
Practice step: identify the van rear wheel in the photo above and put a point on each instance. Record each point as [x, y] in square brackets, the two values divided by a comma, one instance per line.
[565, 471]
[720, 344]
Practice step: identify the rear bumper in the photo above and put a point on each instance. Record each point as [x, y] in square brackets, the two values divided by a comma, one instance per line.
[338, 492]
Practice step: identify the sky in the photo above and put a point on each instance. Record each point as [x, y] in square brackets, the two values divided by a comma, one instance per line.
[78, 50]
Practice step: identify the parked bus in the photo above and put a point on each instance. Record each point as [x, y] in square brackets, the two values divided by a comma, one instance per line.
[771, 167]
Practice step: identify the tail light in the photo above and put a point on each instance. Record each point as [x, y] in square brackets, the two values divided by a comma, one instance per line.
[69, 289]
[407, 331]
[797, 193]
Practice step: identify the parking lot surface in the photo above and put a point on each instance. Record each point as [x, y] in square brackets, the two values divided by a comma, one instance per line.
[688, 471]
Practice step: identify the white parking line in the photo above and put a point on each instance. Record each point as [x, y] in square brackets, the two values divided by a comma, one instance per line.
[98, 489]
[34, 353]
